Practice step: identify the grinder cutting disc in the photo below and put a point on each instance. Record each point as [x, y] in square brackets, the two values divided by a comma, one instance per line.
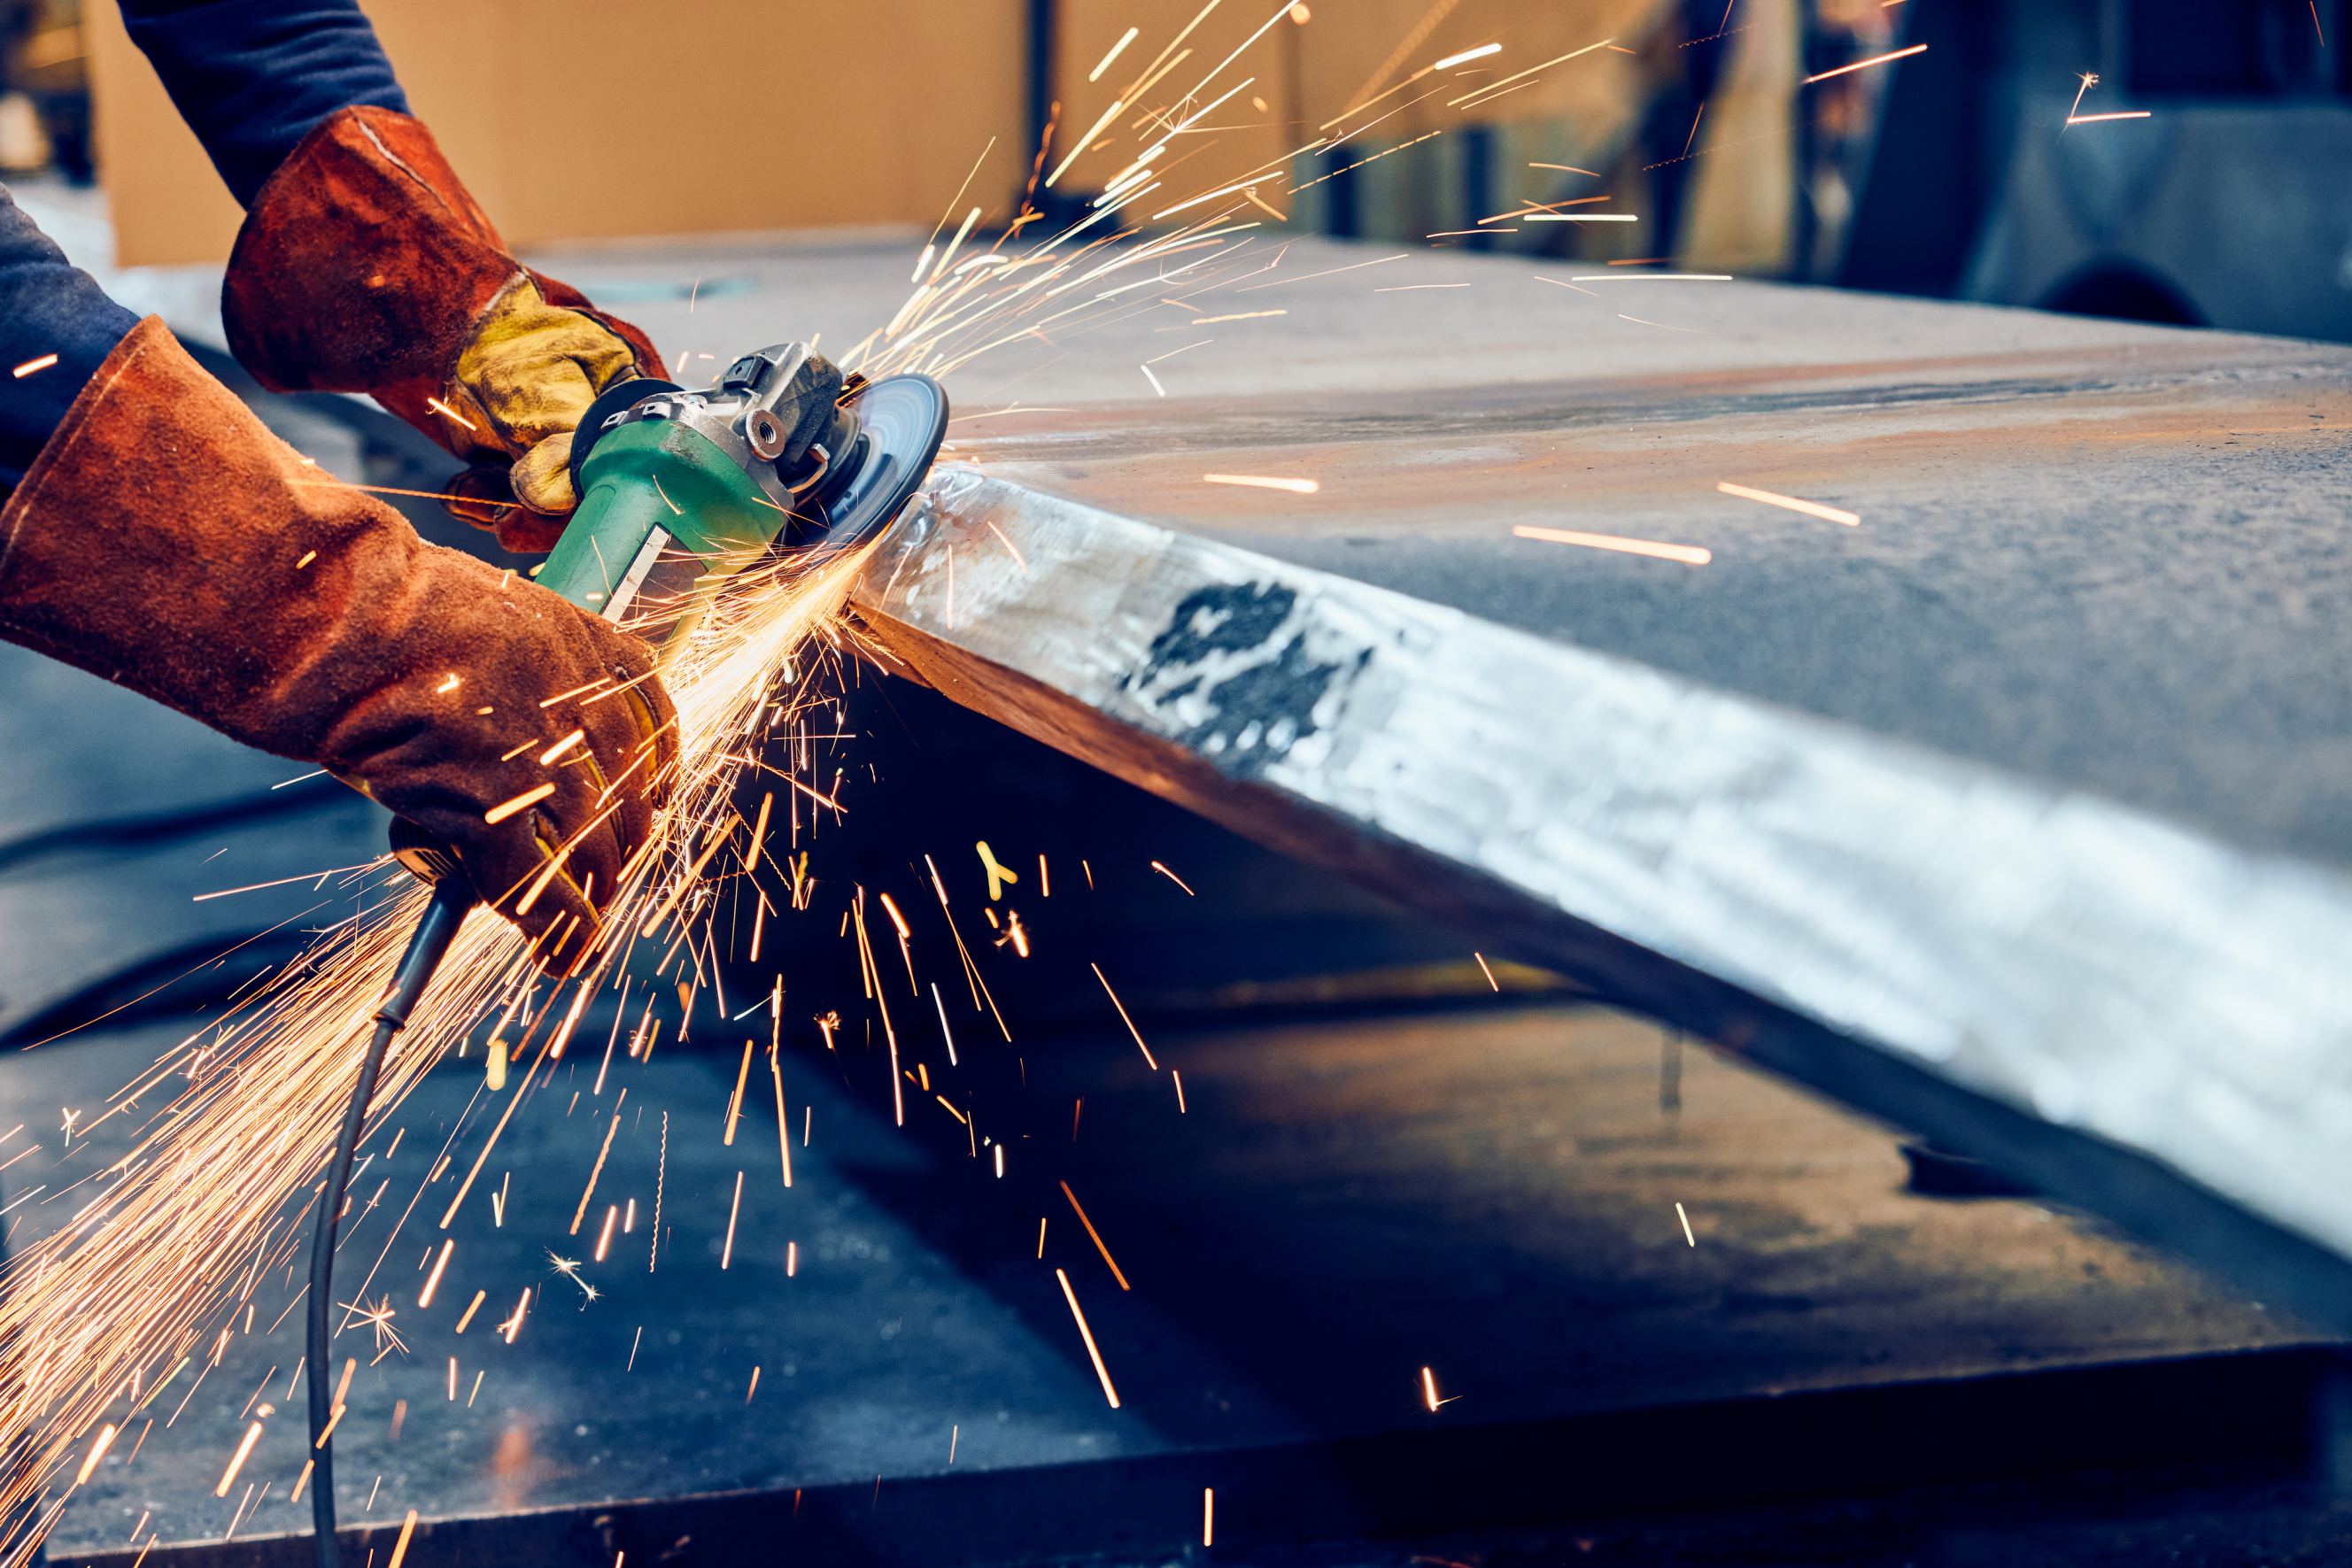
[901, 421]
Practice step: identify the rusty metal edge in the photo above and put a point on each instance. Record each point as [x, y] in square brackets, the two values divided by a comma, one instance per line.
[2145, 1022]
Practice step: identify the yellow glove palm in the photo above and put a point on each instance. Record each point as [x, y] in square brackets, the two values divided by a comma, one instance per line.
[522, 382]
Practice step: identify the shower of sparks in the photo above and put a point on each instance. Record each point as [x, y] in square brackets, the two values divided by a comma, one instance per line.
[154, 1269]
[1864, 65]
[166, 1258]
[1791, 503]
[1689, 555]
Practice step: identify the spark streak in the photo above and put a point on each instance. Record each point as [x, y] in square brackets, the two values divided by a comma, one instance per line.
[1062, 168]
[97, 1452]
[1262, 482]
[1866, 64]
[1689, 555]
[1096, 1236]
[237, 1460]
[1087, 1335]
[1123, 1018]
[1115, 50]
[524, 802]
[1466, 56]
[1791, 503]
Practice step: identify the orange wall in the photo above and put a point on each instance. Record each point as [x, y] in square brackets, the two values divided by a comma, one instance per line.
[590, 118]
[594, 119]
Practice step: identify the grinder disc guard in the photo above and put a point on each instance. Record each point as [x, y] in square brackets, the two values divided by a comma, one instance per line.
[901, 420]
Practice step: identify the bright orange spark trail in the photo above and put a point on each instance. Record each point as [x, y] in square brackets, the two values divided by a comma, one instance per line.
[170, 1248]
[165, 1256]
[1866, 64]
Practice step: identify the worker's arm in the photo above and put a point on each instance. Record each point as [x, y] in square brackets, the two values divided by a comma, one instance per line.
[365, 266]
[158, 536]
[56, 326]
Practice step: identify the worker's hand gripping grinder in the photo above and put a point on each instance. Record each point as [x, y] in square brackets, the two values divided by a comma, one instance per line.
[780, 460]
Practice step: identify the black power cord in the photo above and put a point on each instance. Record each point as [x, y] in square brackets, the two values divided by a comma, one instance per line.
[435, 930]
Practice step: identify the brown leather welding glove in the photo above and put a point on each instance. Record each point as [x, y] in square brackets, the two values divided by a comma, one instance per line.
[364, 265]
[167, 541]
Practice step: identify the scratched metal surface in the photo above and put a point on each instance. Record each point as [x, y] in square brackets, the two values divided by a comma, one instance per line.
[2150, 1022]
[2101, 556]
[2025, 796]
[2120, 569]
[2095, 555]
[2098, 555]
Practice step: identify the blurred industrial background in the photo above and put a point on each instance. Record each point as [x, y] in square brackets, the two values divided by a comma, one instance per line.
[2223, 208]
[1691, 1314]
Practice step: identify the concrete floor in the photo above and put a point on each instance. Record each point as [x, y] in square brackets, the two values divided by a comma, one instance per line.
[1490, 1194]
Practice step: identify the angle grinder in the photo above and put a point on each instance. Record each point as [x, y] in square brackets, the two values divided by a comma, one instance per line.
[679, 492]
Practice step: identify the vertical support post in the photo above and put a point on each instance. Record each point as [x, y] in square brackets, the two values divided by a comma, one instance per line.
[1478, 181]
[1044, 39]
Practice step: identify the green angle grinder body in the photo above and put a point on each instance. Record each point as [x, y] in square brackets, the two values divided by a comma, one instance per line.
[680, 490]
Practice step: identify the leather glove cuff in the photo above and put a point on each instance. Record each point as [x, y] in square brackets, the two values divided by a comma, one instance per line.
[365, 266]
[165, 540]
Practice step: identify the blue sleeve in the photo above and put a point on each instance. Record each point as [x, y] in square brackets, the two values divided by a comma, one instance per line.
[252, 77]
[48, 306]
